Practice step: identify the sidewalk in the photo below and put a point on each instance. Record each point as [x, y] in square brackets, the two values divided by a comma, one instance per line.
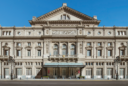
[64, 80]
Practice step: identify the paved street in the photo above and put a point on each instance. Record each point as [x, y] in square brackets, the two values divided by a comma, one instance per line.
[63, 83]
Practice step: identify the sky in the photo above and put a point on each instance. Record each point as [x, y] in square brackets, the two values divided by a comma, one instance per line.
[18, 12]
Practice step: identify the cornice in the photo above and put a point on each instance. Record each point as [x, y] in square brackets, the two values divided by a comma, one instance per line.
[65, 22]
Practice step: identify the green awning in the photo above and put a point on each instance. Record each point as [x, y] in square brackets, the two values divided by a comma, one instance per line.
[64, 65]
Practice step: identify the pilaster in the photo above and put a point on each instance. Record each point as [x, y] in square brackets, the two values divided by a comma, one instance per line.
[105, 50]
[94, 50]
[94, 70]
[104, 71]
[0, 68]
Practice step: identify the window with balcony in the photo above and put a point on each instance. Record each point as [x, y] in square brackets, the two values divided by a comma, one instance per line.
[39, 44]
[6, 52]
[73, 49]
[99, 44]
[99, 53]
[29, 44]
[64, 49]
[109, 44]
[29, 52]
[18, 52]
[121, 52]
[56, 50]
[88, 44]
[18, 44]
[88, 52]
[39, 52]
[109, 52]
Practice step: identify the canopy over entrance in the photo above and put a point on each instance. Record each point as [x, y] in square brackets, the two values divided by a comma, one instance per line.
[64, 65]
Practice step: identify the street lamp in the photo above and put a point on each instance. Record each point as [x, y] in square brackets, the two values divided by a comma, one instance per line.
[11, 60]
[117, 60]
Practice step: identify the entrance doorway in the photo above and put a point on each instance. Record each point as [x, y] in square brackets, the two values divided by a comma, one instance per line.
[63, 72]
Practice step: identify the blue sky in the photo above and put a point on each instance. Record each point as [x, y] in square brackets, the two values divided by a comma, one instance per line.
[18, 12]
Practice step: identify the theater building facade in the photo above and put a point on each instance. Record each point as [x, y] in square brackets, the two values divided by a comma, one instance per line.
[64, 43]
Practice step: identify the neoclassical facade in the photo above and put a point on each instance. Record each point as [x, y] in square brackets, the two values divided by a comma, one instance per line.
[64, 43]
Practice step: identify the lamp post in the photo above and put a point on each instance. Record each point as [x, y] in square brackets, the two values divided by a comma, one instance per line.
[117, 60]
[11, 60]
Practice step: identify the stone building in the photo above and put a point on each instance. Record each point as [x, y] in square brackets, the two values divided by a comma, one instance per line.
[64, 43]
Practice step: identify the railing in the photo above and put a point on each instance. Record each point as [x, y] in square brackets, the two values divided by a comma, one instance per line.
[63, 56]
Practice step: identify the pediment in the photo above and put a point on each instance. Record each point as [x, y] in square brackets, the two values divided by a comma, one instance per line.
[56, 15]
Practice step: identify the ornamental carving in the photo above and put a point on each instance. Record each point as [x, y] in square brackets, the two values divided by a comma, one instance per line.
[68, 32]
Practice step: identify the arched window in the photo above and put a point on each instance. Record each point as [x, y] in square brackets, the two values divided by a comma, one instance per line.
[55, 51]
[64, 49]
[73, 49]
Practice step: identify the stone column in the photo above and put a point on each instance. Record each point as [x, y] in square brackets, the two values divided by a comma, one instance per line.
[33, 70]
[118, 70]
[60, 47]
[94, 70]
[105, 71]
[69, 45]
[83, 48]
[23, 70]
[0, 49]
[83, 71]
[78, 50]
[0, 68]
[33, 50]
[126, 70]
[94, 50]
[44, 47]
[105, 50]
[49, 47]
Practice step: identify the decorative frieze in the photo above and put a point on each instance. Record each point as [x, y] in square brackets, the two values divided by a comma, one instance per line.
[60, 32]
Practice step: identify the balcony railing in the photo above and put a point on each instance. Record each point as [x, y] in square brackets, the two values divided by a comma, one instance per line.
[63, 57]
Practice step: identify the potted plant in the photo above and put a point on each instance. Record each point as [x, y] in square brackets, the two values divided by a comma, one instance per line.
[45, 77]
[81, 77]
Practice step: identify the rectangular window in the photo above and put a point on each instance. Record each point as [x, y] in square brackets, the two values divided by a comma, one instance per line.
[99, 44]
[29, 52]
[109, 71]
[18, 44]
[39, 44]
[18, 53]
[99, 72]
[99, 52]
[88, 52]
[88, 44]
[109, 52]
[19, 71]
[9, 32]
[88, 72]
[122, 72]
[6, 71]
[28, 71]
[122, 52]
[39, 52]
[109, 44]
[29, 44]
[6, 52]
